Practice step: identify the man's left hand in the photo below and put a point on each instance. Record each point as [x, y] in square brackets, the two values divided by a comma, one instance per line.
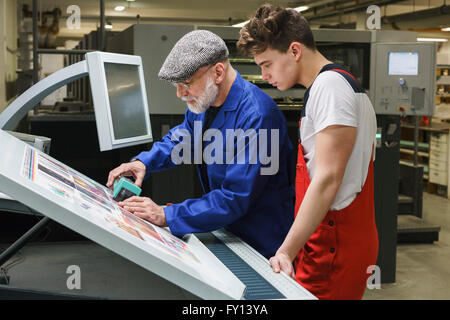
[146, 209]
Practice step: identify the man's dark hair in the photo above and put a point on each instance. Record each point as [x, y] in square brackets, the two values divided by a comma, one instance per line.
[275, 28]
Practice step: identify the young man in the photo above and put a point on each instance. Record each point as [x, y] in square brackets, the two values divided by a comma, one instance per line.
[252, 198]
[334, 237]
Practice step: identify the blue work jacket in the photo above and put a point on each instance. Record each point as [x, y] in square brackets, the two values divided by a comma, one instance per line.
[258, 208]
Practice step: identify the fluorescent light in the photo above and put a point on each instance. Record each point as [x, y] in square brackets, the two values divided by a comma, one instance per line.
[301, 9]
[108, 25]
[445, 29]
[241, 24]
[432, 39]
[119, 8]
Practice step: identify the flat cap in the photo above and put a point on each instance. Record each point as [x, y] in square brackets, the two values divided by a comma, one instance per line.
[194, 50]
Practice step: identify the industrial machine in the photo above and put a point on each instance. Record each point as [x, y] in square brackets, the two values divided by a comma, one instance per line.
[395, 70]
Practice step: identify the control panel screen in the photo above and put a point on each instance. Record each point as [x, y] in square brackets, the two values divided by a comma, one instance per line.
[126, 100]
[403, 63]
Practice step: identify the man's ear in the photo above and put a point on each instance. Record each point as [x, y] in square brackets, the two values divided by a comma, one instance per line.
[296, 50]
[219, 72]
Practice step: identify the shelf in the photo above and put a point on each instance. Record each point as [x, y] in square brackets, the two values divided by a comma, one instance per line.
[256, 80]
[443, 80]
[420, 153]
[242, 60]
[410, 145]
[437, 127]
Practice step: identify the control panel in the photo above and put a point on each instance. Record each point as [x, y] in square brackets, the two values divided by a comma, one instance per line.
[404, 74]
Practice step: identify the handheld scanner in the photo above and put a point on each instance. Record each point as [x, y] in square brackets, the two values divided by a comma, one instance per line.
[125, 188]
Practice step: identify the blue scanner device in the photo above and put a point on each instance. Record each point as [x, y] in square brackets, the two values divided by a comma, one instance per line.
[125, 188]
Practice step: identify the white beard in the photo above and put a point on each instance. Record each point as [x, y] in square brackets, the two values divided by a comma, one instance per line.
[206, 99]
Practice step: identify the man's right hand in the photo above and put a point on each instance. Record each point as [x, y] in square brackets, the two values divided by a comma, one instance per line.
[134, 168]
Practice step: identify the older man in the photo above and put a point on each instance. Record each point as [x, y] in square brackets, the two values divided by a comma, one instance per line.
[240, 192]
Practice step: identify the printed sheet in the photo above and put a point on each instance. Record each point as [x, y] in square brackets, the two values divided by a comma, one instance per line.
[98, 203]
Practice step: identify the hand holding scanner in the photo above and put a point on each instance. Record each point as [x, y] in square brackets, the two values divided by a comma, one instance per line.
[124, 188]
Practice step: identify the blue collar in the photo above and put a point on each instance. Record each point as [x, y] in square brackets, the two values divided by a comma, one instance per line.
[235, 93]
[231, 102]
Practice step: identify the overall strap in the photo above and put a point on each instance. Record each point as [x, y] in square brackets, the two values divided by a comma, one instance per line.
[357, 88]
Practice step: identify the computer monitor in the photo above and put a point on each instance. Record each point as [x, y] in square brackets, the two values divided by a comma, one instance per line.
[120, 100]
[403, 63]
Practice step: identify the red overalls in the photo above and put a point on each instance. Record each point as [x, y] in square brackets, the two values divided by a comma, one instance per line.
[333, 262]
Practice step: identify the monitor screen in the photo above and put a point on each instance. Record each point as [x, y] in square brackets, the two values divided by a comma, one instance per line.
[403, 63]
[120, 100]
[125, 100]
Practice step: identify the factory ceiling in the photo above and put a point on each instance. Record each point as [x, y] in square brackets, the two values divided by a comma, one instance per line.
[415, 15]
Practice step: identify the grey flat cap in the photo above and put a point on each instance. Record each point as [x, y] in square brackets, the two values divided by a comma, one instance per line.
[194, 50]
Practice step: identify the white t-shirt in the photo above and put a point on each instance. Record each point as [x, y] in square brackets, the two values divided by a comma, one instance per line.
[333, 101]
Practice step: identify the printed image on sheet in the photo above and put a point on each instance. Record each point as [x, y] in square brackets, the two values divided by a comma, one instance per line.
[147, 228]
[170, 242]
[167, 241]
[121, 224]
[54, 164]
[58, 182]
[177, 245]
[74, 180]
[96, 201]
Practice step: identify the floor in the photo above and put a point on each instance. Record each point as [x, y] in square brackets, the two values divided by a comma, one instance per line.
[423, 270]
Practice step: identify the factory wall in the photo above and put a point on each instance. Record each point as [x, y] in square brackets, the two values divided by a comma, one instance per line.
[8, 50]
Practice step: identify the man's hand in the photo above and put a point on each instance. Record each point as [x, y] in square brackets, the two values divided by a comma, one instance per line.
[134, 168]
[146, 209]
[282, 262]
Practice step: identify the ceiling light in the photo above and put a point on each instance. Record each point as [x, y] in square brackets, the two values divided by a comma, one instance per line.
[432, 39]
[119, 8]
[445, 29]
[108, 25]
[301, 9]
[241, 24]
